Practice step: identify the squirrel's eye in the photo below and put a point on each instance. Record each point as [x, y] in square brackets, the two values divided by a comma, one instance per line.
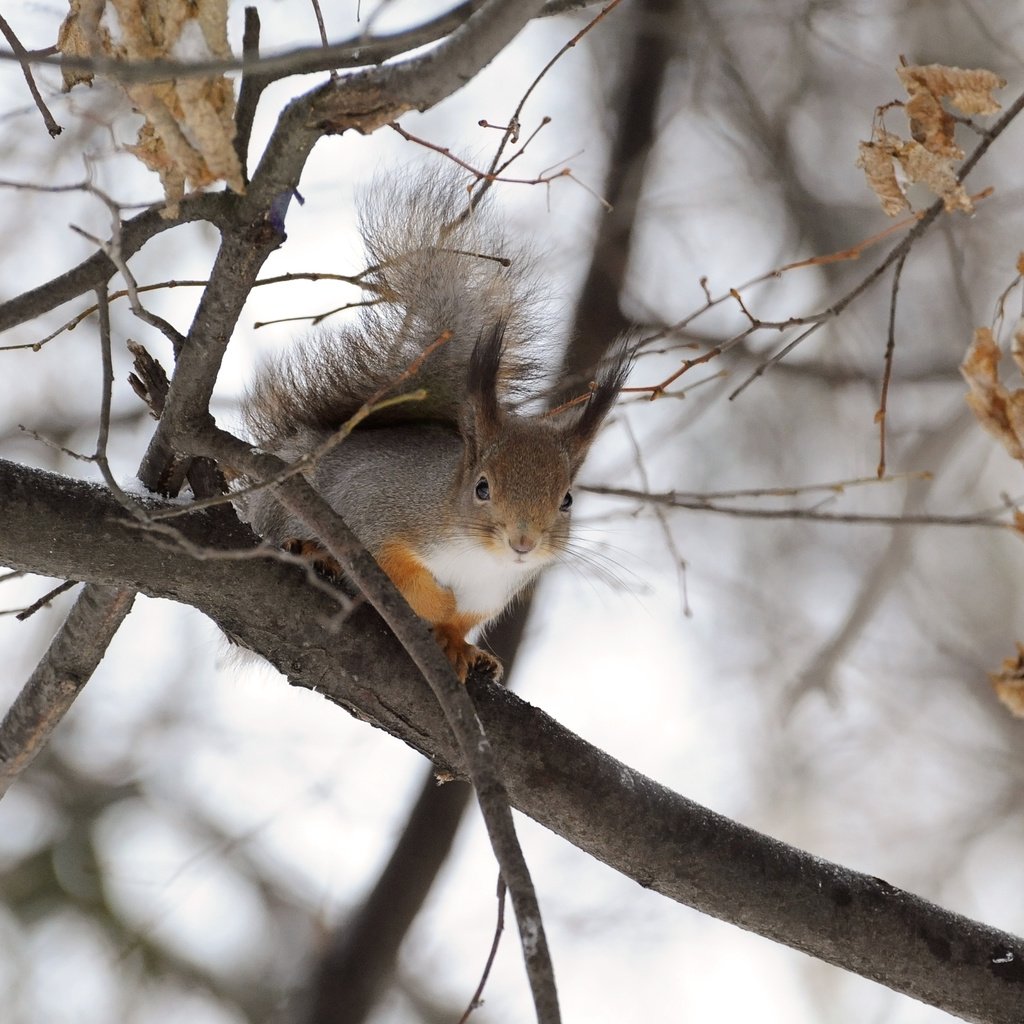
[566, 502]
[483, 489]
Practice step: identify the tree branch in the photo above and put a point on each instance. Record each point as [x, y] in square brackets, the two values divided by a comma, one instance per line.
[99, 268]
[351, 53]
[249, 90]
[63, 527]
[473, 743]
[66, 667]
[22, 56]
[369, 99]
[361, 955]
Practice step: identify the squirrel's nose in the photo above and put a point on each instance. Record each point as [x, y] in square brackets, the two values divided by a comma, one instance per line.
[523, 544]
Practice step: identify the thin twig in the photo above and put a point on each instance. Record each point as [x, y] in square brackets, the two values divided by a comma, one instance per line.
[890, 348]
[499, 927]
[25, 613]
[100, 457]
[309, 275]
[323, 32]
[512, 131]
[898, 252]
[63, 449]
[212, 207]
[487, 176]
[23, 57]
[660, 514]
[699, 503]
[828, 487]
[318, 318]
[114, 252]
[249, 90]
[853, 252]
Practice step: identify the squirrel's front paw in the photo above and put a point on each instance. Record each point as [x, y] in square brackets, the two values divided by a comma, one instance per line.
[465, 656]
[323, 562]
[486, 662]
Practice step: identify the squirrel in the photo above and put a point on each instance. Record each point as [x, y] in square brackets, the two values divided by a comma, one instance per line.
[460, 497]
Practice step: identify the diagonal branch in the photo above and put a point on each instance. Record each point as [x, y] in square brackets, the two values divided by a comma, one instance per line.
[662, 840]
[360, 956]
[95, 271]
[375, 97]
[473, 743]
[59, 677]
[22, 56]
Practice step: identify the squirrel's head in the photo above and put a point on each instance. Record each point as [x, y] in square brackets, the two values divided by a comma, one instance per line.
[518, 470]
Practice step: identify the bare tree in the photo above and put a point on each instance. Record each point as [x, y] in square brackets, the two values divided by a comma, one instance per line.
[118, 543]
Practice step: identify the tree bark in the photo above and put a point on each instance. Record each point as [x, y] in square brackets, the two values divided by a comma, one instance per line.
[67, 528]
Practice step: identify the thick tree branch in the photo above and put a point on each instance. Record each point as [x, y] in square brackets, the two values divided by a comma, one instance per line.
[63, 527]
[372, 98]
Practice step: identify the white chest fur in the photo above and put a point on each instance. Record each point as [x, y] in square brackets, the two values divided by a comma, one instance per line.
[483, 580]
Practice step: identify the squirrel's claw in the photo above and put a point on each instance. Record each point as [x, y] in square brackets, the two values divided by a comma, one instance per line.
[487, 662]
[465, 656]
[323, 562]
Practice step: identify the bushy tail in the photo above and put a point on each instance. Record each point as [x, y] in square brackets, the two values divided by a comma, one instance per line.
[437, 270]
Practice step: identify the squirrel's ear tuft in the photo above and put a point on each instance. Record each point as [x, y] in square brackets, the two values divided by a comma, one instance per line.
[610, 379]
[482, 385]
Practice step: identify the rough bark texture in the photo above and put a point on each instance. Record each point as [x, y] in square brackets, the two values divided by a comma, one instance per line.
[665, 842]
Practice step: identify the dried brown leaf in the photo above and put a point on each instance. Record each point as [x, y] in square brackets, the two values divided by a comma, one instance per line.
[151, 150]
[999, 410]
[189, 132]
[1017, 345]
[969, 90]
[936, 173]
[928, 157]
[77, 35]
[932, 125]
[876, 159]
[1009, 682]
